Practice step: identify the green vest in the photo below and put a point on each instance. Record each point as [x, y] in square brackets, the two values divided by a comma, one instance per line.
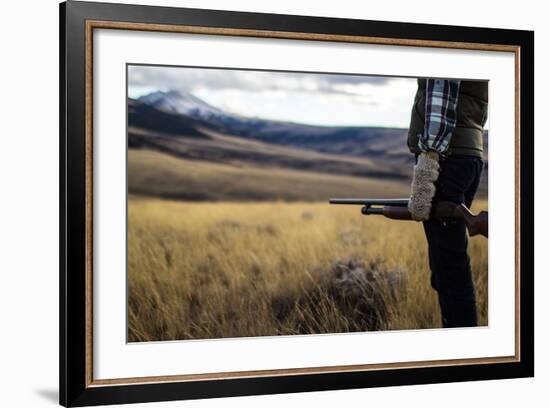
[471, 114]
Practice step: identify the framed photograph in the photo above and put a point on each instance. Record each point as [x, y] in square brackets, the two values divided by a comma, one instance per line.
[256, 203]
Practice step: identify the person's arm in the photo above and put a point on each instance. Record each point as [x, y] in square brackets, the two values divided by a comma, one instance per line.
[439, 123]
[440, 115]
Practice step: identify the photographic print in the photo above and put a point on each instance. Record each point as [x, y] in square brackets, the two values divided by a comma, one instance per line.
[268, 203]
[259, 203]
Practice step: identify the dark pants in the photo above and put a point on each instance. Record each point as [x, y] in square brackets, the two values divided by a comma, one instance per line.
[448, 243]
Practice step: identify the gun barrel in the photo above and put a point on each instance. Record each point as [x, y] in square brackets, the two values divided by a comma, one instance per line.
[396, 202]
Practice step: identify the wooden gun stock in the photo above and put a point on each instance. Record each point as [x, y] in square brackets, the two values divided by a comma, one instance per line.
[476, 224]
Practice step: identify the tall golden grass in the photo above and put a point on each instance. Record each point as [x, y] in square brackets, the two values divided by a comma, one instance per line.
[211, 270]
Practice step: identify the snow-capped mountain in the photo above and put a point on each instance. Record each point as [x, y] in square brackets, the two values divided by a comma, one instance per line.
[357, 141]
[183, 103]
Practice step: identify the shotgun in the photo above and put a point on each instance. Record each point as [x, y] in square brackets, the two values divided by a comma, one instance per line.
[396, 209]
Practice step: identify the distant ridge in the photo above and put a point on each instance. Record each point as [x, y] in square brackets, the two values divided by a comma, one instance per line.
[186, 127]
[145, 116]
[348, 140]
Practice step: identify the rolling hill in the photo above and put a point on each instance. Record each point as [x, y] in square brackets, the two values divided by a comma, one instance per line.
[354, 141]
[189, 147]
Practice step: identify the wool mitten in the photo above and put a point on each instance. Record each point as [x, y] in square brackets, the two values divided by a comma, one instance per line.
[426, 172]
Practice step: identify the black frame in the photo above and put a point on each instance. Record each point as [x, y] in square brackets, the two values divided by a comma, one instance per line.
[73, 389]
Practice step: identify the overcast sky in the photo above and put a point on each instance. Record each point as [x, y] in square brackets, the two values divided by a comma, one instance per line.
[321, 99]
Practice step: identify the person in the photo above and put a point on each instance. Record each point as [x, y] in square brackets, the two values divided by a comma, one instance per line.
[446, 136]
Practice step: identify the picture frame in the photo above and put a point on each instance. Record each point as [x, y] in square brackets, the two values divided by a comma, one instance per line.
[78, 23]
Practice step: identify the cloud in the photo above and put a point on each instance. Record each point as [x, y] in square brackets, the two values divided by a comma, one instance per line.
[193, 79]
[326, 99]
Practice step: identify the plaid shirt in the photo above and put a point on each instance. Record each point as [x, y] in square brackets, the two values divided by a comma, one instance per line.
[440, 116]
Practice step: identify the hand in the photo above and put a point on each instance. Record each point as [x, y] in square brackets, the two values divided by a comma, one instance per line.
[425, 175]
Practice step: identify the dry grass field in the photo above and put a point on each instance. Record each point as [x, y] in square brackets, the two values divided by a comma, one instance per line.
[224, 269]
